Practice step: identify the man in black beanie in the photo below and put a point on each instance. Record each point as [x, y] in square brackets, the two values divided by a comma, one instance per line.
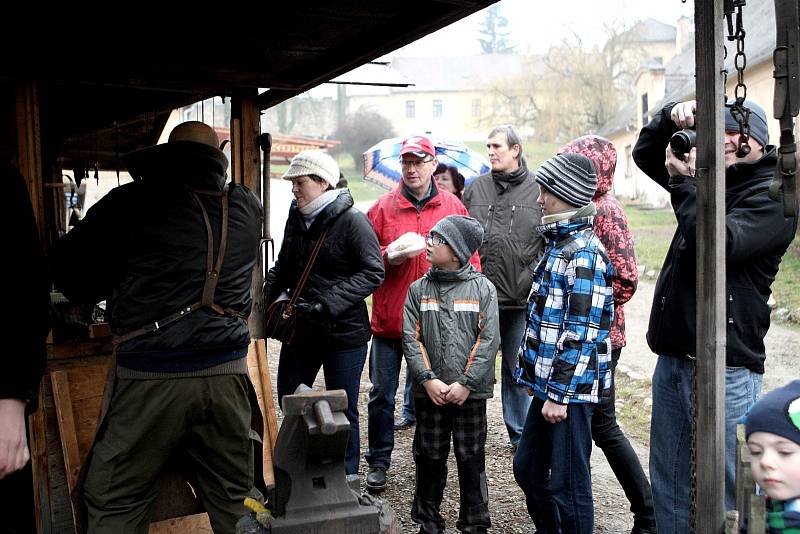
[757, 236]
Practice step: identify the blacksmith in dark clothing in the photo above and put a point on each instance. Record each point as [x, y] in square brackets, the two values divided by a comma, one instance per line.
[756, 237]
[24, 331]
[173, 253]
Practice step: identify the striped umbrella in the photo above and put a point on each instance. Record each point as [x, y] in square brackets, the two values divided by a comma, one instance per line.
[382, 161]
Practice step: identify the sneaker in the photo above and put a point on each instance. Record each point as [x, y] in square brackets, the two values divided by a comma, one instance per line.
[643, 527]
[403, 423]
[376, 479]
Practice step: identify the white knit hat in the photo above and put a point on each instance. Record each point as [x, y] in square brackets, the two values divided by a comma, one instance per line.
[313, 162]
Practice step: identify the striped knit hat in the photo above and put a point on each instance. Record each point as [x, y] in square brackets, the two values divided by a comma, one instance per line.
[570, 177]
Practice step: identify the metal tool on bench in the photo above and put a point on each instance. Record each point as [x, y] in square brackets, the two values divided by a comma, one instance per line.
[311, 490]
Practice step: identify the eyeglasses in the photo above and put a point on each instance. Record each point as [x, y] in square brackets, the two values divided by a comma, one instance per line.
[414, 163]
[435, 240]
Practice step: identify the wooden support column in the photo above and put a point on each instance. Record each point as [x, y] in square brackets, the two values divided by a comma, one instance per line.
[711, 341]
[29, 148]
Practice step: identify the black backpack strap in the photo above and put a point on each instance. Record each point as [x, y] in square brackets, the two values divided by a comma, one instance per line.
[213, 270]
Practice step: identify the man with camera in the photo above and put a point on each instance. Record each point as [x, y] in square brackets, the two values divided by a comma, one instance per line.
[757, 236]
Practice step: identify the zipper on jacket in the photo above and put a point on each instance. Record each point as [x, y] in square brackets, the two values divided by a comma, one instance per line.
[511, 224]
[663, 303]
[489, 220]
[730, 308]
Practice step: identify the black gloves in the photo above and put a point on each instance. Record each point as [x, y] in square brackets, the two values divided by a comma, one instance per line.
[309, 310]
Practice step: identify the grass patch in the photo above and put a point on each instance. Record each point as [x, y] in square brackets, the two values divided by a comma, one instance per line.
[634, 406]
[786, 287]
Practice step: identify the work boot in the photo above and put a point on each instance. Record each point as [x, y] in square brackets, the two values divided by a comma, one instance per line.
[376, 479]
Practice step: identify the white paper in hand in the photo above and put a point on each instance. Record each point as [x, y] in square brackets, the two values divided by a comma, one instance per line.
[407, 245]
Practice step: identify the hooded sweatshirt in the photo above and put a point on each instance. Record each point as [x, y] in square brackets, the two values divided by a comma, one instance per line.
[611, 226]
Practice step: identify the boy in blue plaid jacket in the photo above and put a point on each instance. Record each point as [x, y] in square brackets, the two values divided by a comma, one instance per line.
[565, 355]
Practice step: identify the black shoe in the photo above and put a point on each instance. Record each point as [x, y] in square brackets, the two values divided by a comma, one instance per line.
[376, 479]
[402, 423]
[643, 527]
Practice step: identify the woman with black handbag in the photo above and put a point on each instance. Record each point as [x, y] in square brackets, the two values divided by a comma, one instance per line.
[329, 262]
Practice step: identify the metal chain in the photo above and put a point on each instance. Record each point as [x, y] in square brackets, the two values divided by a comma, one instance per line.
[739, 111]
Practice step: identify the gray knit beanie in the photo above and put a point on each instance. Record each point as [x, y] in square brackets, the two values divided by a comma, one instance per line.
[463, 234]
[570, 177]
[758, 121]
[316, 163]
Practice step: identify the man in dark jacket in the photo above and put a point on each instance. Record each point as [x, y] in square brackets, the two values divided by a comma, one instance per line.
[504, 202]
[757, 235]
[173, 253]
[23, 332]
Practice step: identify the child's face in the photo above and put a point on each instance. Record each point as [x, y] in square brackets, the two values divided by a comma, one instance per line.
[775, 462]
[439, 253]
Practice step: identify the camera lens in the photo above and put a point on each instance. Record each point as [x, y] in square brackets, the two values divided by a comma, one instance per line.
[683, 141]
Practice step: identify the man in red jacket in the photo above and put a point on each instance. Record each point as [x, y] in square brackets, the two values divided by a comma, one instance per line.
[401, 218]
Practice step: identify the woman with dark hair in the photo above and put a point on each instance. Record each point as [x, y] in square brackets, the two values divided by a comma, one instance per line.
[449, 179]
[332, 321]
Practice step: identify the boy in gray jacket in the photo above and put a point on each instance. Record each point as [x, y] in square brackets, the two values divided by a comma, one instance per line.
[450, 338]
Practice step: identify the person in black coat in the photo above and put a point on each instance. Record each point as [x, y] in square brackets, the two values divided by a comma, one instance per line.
[24, 331]
[333, 324]
[756, 237]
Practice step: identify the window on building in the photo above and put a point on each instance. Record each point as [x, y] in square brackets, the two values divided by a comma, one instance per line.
[645, 107]
[437, 109]
[476, 107]
[628, 161]
[410, 109]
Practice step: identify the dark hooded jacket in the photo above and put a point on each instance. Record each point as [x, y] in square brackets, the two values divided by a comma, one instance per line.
[348, 269]
[505, 205]
[756, 237]
[24, 330]
[611, 226]
[143, 247]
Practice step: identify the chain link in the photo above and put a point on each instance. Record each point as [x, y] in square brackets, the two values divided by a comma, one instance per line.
[693, 451]
[739, 111]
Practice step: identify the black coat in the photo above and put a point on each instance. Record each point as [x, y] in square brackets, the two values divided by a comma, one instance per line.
[756, 237]
[143, 247]
[348, 269]
[27, 320]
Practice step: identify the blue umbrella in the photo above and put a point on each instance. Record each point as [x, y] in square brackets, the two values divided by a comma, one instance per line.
[382, 161]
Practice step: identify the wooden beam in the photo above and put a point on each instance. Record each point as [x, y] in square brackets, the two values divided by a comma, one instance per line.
[709, 438]
[29, 148]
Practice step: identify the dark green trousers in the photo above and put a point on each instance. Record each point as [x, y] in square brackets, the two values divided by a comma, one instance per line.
[206, 420]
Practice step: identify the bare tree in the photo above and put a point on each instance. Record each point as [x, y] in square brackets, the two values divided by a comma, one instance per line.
[570, 91]
[361, 130]
[494, 28]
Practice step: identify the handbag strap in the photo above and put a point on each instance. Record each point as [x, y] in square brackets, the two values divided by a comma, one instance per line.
[307, 270]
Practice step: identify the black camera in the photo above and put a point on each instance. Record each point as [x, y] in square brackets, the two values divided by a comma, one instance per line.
[683, 141]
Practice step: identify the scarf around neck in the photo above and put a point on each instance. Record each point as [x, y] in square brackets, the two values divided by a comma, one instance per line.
[506, 179]
[315, 207]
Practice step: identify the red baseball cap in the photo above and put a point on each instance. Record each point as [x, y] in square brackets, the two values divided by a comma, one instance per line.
[418, 145]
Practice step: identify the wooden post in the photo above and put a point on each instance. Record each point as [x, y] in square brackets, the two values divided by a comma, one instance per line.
[710, 273]
[29, 148]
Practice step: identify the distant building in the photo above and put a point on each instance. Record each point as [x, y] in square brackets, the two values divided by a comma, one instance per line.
[673, 80]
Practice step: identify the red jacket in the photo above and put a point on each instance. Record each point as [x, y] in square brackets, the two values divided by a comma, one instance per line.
[391, 216]
[611, 226]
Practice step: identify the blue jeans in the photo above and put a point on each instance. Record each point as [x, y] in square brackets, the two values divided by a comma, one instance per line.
[299, 364]
[515, 398]
[552, 468]
[385, 359]
[670, 436]
[408, 412]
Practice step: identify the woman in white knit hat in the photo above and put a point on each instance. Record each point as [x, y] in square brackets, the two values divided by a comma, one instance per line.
[333, 325]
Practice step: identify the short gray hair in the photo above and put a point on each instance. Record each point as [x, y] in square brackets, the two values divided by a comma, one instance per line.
[513, 137]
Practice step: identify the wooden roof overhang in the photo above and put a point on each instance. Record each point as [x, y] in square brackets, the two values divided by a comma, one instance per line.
[103, 96]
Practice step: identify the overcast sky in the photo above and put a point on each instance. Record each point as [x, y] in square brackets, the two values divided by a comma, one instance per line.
[535, 25]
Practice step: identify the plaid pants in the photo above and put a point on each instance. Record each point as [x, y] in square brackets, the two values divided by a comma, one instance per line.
[435, 425]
